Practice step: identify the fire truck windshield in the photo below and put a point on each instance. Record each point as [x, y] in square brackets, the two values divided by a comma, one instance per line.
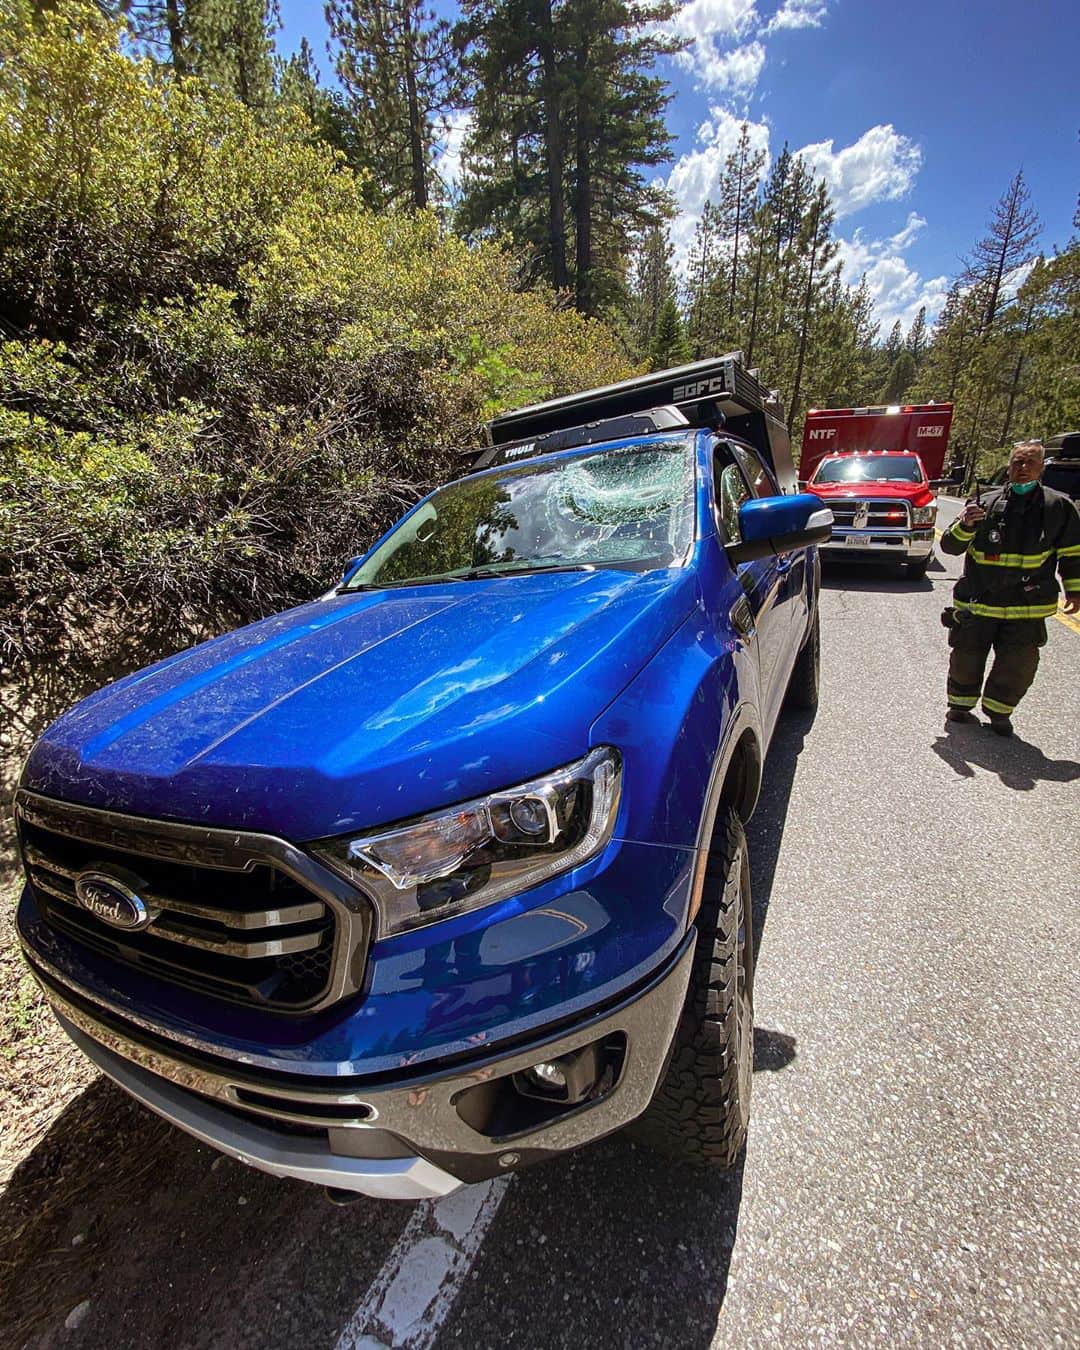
[870, 469]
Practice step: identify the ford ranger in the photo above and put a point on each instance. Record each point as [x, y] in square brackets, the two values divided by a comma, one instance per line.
[445, 872]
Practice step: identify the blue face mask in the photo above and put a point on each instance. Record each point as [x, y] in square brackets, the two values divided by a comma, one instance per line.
[1024, 487]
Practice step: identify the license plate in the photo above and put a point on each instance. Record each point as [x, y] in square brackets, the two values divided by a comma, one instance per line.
[858, 541]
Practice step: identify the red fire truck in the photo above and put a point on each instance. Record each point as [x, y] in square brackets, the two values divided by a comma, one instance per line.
[876, 468]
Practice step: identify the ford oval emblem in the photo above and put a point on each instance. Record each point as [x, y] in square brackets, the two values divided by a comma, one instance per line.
[111, 900]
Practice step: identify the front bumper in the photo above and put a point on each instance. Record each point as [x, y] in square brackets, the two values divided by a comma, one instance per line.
[394, 1137]
[880, 545]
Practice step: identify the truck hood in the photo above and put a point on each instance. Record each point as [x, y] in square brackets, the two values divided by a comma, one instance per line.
[916, 493]
[362, 709]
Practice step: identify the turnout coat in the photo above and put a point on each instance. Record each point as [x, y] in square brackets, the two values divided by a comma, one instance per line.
[1010, 558]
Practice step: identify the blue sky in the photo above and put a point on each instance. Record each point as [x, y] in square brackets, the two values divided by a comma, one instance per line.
[918, 114]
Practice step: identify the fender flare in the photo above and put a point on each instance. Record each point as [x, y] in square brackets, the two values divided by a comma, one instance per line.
[740, 744]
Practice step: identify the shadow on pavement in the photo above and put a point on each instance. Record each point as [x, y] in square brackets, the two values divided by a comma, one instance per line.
[616, 1245]
[172, 1244]
[1019, 764]
[881, 577]
[610, 1247]
[613, 1246]
[765, 831]
[773, 1050]
[169, 1243]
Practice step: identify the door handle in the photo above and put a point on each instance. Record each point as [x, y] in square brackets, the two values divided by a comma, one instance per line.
[742, 618]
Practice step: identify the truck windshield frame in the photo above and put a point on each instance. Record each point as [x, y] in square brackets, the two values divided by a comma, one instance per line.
[870, 469]
[629, 507]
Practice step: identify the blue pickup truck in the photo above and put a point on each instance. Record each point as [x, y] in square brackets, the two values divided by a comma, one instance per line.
[444, 873]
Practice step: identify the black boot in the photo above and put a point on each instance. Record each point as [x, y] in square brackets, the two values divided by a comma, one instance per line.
[960, 715]
[1000, 724]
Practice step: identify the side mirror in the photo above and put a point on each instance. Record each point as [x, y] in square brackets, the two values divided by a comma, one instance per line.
[350, 567]
[770, 525]
[802, 484]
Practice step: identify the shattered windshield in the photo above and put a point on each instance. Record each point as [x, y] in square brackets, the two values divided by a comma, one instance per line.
[861, 469]
[631, 507]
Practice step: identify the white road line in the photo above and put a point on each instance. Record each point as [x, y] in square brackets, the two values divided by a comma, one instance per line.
[419, 1281]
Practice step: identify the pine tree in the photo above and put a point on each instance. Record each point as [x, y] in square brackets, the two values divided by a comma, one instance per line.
[819, 249]
[894, 343]
[298, 85]
[228, 43]
[515, 180]
[653, 283]
[1049, 399]
[395, 62]
[792, 203]
[916, 338]
[670, 346]
[567, 114]
[619, 127]
[1009, 245]
[700, 263]
[232, 46]
[738, 196]
[759, 240]
[776, 189]
[948, 348]
[900, 377]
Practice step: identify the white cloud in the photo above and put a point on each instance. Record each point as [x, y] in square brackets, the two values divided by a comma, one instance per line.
[715, 18]
[736, 71]
[448, 160]
[722, 55]
[880, 166]
[798, 14]
[896, 288]
[712, 26]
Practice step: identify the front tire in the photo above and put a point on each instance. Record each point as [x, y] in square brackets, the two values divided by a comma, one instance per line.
[917, 570]
[701, 1108]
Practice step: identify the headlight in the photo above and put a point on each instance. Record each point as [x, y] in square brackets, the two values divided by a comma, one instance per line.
[482, 851]
[924, 515]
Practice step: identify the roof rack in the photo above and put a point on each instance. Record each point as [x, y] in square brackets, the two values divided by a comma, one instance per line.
[718, 391]
[1066, 445]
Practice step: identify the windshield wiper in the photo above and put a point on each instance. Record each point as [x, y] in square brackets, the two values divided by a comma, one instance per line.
[485, 573]
[473, 574]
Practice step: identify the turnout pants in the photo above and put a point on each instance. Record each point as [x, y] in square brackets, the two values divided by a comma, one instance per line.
[1015, 643]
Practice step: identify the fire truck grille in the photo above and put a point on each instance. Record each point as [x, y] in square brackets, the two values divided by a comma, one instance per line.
[851, 513]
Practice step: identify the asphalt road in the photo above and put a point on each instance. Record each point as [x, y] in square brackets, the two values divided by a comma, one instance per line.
[911, 1174]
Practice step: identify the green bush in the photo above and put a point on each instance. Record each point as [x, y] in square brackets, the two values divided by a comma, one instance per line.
[222, 373]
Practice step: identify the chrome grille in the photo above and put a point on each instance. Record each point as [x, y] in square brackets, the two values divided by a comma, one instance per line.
[879, 515]
[225, 922]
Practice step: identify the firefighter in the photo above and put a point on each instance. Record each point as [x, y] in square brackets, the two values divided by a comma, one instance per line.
[1012, 542]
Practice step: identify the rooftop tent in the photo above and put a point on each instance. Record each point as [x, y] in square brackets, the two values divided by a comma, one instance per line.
[664, 400]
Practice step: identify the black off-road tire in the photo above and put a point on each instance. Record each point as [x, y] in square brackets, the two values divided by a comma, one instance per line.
[917, 570]
[802, 690]
[701, 1108]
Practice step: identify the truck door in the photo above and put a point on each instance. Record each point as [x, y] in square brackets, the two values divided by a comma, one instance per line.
[794, 593]
[762, 580]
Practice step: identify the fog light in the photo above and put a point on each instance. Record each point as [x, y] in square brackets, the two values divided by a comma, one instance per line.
[547, 1076]
[570, 1078]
